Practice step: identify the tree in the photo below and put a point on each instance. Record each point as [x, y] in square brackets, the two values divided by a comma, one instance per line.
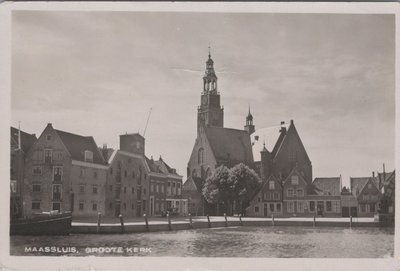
[218, 187]
[238, 184]
[246, 184]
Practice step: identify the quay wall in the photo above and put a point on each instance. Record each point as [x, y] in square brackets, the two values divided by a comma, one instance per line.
[137, 228]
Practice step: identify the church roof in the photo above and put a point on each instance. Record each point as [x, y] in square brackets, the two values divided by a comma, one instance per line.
[327, 186]
[230, 144]
[27, 140]
[77, 145]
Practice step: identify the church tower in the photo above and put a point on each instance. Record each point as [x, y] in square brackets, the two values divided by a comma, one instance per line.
[249, 127]
[210, 112]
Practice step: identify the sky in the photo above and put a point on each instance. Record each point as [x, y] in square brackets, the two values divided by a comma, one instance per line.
[99, 73]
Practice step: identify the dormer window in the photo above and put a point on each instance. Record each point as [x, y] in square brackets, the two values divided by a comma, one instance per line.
[48, 137]
[271, 185]
[89, 156]
[295, 180]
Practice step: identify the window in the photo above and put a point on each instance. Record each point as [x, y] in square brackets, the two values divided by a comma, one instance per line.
[372, 207]
[81, 188]
[94, 207]
[300, 193]
[362, 207]
[256, 209]
[144, 205]
[57, 206]
[57, 173]
[152, 188]
[94, 189]
[157, 188]
[200, 158]
[369, 186]
[295, 180]
[312, 206]
[38, 155]
[94, 174]
[278, 207]
[162, 188]
[57, 190]
[290, 192]
[48, 137]
[271, 185]
[290, 206]
[276, 195]
[58, 155]
[292, 156]
[37, 170]
[300, 207]
[271, 207]
[36, 187]
[82, 173]
[81, 205]
[259, 199]
[13, 186]
[336, 206]
[35, 205]
[47, 156]
[88, 156]
[329, 206]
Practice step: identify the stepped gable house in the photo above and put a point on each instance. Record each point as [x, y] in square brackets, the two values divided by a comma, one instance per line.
[20, 144]
[64, 172]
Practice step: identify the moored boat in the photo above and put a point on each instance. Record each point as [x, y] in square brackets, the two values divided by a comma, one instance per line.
[51, 223]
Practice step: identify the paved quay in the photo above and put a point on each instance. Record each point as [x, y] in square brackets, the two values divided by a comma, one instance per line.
[113, 225]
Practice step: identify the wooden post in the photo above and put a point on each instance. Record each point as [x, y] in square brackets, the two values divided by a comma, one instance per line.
[240, 220]
[169, 221]
[208, 219]
[273, 220]
[98, 221]
[351, 221]
[190, 220]
[121, 219]
[146, 221]
[314, 221]
[226, 220]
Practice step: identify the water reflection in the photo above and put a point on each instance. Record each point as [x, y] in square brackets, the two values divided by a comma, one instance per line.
[233, 242]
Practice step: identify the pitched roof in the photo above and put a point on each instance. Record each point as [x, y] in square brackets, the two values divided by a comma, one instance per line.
[272, 137]
[77, 145]
[327, 186]
[198, 182]
[27, 140]
[160, 166]
[230, 144]
[358, 183]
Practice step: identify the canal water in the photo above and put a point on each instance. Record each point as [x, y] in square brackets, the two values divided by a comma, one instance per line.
[276, 242]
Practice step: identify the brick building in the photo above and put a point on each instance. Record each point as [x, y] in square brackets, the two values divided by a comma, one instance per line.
[64, 172]
[367, 192]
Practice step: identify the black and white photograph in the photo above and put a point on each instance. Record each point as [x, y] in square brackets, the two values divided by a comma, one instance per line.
[213, 133]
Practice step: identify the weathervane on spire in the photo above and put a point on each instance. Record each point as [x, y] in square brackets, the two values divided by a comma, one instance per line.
[209, 51]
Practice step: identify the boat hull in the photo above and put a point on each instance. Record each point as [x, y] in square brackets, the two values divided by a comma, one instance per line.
[58, 224]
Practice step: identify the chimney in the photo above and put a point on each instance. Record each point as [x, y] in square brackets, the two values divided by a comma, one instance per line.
[291, 122]
[283, 128]
[373, 174]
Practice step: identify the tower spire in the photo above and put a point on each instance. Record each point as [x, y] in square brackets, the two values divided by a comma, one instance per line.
[209, 51]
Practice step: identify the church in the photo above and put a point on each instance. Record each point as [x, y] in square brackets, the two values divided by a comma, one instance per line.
[217, 145]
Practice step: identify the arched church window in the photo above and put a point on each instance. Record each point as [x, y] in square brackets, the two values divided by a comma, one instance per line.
[194, 175]
[200, 156]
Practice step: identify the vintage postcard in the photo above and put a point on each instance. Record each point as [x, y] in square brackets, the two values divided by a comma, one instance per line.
[199, 136]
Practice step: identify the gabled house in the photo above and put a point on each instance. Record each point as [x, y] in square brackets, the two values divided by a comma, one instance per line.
[64, 172]
[295, 189]
[388, 186]
[268, 201]
[368, 195]
[324, 197]
[192, 189]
